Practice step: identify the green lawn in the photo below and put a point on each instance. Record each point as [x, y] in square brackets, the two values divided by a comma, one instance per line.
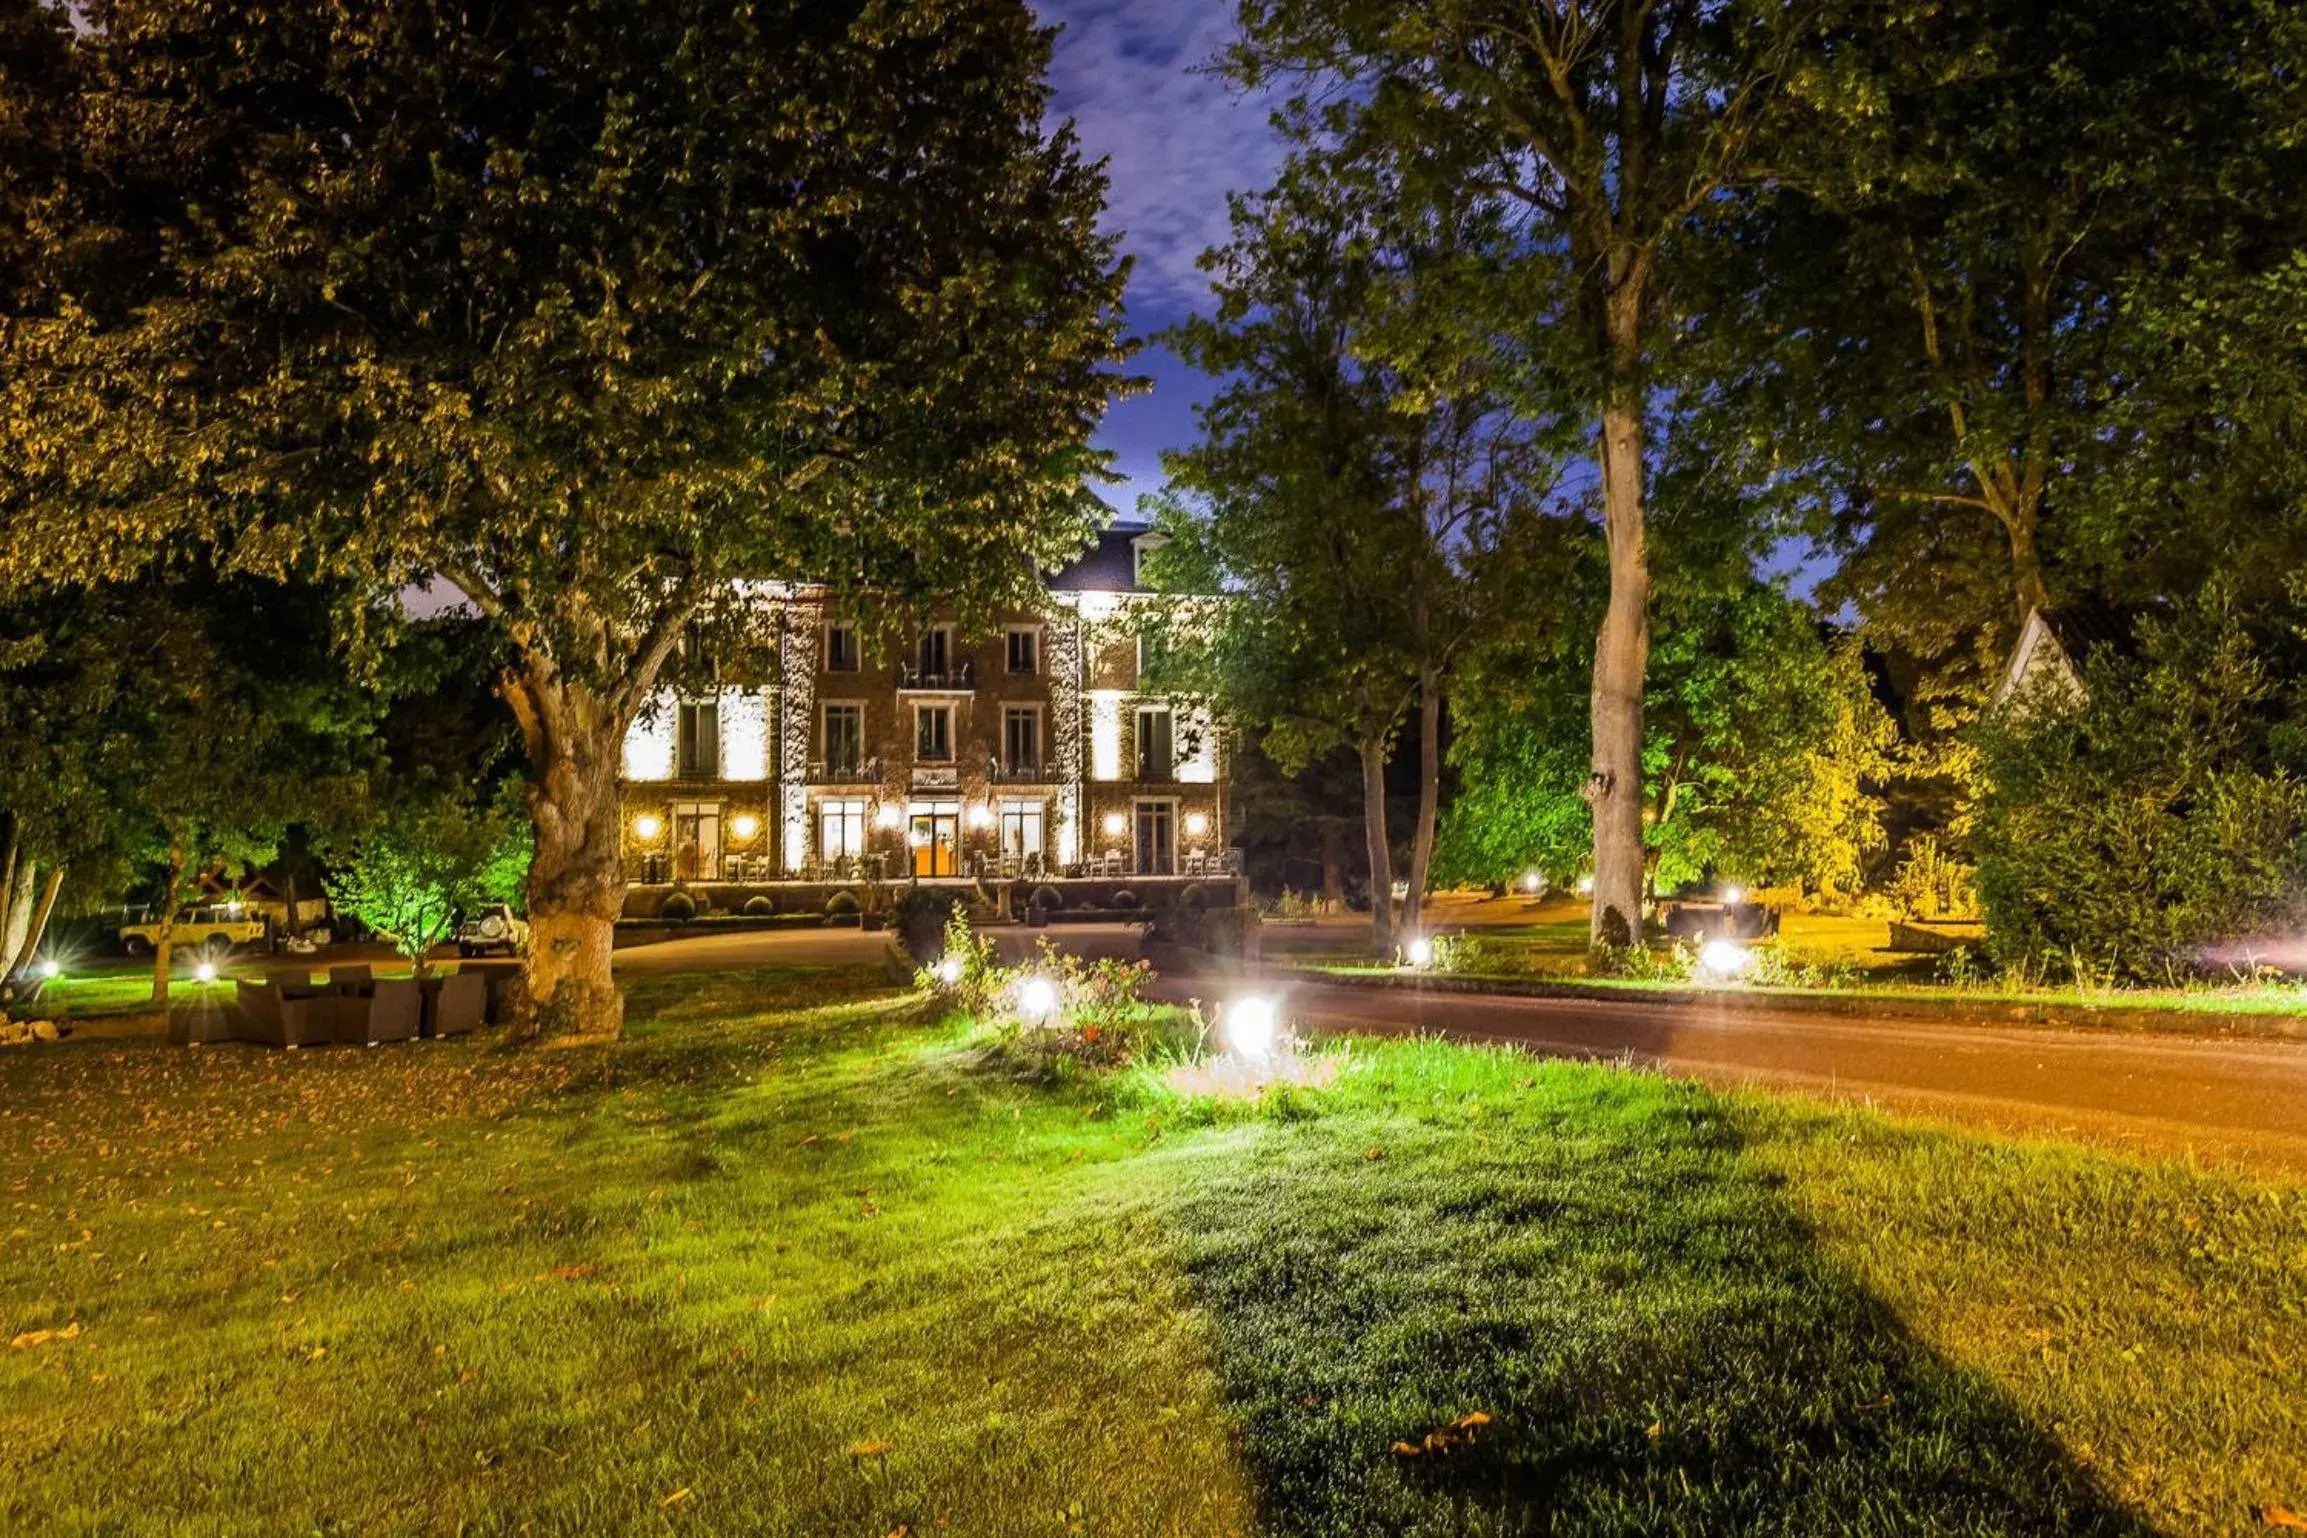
[1839, 958]
[793, 1259]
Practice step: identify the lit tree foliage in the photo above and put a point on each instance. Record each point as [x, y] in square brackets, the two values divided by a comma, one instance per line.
[1600, 131]
[1765, 752]
[422, 866]
[588, 306]
[1363, 491]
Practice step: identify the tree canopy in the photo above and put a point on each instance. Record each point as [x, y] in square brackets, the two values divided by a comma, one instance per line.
[596, 309]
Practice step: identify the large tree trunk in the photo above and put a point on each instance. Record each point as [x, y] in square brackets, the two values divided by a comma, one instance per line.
[2026, 560]
[1621, 658]
[575, 741]
[21, 872]
[36, 929]
[1334, 866]
[164, 941]
[1372, 749]
[1429, 797]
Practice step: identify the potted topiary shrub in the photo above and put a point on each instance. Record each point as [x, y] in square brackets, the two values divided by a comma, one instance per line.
[918, 920]
[680, 907]
[760, 905]
[1046, 900]
[1125, 901]
[843, 908]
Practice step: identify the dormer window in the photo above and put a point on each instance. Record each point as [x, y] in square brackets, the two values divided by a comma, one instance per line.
[1139, 548]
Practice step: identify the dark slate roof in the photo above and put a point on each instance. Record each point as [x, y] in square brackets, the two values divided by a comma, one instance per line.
[1109, 566]
[2081, 629]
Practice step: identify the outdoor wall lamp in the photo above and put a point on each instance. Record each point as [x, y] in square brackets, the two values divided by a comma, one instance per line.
[1116, 824]
[1197, 824]
[744, 825]
[646, 827]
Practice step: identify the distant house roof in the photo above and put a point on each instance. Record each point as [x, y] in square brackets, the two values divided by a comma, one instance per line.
[1110, 565]
[2054, 644]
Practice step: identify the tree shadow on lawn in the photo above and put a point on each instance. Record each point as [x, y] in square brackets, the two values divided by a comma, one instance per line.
[1589, 1259]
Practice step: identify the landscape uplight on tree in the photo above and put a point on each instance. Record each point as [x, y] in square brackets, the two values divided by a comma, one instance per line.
[51, 968]
[1723, 959]
[1251, 1025]
[1585, 886]
[1734, 894]
[205, 972]
[1531, 882]
[1037, 1001]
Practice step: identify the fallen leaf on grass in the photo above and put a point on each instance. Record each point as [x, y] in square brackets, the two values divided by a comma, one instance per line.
[31, 1338]
[868, 1449]
[676, 1498]
[574, 1273]
[1459, 1433]
[2282, 1516]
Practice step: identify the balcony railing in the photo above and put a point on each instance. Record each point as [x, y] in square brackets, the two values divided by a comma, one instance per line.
[1019, 773]
[861, 771]
[954, 678]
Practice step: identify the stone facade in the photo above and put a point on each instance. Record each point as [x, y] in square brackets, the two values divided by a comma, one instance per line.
[1028, 752]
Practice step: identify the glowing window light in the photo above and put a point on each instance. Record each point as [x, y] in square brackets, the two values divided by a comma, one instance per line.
[744, 735]
[649, 742]
[1198, 740]
[1104, 735]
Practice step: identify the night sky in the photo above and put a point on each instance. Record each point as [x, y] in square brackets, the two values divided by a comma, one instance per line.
[1178, 142]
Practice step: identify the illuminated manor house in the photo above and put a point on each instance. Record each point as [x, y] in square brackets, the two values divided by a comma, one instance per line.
[1028, 753]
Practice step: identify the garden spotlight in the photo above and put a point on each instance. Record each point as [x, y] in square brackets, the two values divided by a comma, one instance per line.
[949, 970]
[1037, 1000]
[205, 972]
[1419, 953]
[1723, 958]
[1251, 1023]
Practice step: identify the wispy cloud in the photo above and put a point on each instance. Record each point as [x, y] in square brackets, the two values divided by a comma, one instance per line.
[1129, 72]
[1131, 75]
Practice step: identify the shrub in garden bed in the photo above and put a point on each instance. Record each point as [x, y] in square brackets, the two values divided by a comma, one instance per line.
[921, 921]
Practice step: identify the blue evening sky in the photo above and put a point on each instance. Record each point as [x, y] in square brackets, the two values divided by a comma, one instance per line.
[1130, 74]
[1178, 142]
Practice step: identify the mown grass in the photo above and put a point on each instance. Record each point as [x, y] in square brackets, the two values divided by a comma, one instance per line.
[794, 1259]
